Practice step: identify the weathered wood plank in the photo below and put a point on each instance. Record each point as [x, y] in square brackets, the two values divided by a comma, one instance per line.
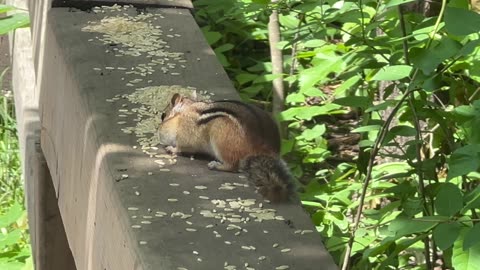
[87, 155]
[48, 239]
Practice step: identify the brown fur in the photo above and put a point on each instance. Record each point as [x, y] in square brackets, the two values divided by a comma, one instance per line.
[238, 136]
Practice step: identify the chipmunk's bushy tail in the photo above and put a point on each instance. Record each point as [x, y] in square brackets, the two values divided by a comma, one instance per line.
[271, 176]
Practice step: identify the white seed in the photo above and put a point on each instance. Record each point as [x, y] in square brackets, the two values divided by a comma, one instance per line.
[132, 208]
[190, 229]
[195, 252]
[261, 258]
[201, 187]
[143, 242]
[136, 226]
[137, 193]
[282, 267]
[275, 245]
[172, 200]
[285, 250]
[174, 184]
[228, 242]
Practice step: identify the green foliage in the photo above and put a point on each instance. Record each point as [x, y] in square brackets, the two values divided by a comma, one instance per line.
[15, 252]
[12, 21]
[414, 84]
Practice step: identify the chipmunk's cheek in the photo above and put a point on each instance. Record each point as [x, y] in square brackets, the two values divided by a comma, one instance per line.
[166, 137]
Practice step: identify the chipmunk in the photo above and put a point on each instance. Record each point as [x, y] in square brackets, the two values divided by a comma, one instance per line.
[239, 136]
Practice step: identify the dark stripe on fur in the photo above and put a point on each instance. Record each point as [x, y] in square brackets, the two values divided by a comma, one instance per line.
[243, 104]
[205, 120]
[223, 110]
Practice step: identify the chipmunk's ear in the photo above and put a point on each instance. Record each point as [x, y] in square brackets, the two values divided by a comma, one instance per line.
[176, 98]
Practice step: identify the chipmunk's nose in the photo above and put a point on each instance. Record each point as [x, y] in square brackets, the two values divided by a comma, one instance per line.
[162, 116]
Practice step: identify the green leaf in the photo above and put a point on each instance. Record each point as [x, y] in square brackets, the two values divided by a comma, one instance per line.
[13, 22]
[319, 73]
[472, 199]
[472, 237]
[367, 128]
[10, 238]
[461, 22]
[449, 200]
[393, 3]
[6, 8]
[465, 259]
[223, 48]
[381, 106]
[391, 73]
[307, 113]
[295, 98]
[428, 59]
[354, 101]
[346, 85]
[445, 234]
[463, 161]
[400, 130]
[210, 36]
[402, 226]
[313, 133]
[313, 43]
[469, 47]
[11, 216]
[243, 78]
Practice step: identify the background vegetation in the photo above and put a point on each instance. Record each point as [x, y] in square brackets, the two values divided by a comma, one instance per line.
[15, 250]
[381, 111]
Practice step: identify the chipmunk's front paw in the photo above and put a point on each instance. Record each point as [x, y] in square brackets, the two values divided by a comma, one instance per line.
[214, 165]
[220, 166]
[171, 149]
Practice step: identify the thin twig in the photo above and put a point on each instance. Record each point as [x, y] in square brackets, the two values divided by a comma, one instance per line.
[404, 34]
[368, 176]
[418, 169]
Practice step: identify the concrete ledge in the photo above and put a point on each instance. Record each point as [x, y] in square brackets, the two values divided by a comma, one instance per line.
[116, 214]
[141, 3]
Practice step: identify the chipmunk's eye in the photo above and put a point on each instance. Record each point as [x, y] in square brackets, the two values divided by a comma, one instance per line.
[162, 117]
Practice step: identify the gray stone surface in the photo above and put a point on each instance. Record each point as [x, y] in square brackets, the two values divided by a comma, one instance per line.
[87, 155]
[159, 3]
